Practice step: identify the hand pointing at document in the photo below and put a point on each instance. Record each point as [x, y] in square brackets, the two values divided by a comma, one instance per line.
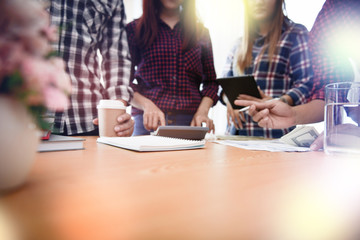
[270, 114]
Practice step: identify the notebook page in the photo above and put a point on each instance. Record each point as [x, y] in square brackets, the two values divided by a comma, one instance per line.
[151, 143]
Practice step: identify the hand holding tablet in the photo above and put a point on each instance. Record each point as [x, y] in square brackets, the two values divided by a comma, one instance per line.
[234, 86]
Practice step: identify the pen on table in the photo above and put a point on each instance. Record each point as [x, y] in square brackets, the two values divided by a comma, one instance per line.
[247, 108]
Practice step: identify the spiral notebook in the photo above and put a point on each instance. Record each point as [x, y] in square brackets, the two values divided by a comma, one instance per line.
[151, 143]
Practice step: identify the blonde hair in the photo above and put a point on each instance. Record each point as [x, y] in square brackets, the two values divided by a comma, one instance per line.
[244, 55]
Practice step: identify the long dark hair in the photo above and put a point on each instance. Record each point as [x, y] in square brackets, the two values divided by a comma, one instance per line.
[147, 27]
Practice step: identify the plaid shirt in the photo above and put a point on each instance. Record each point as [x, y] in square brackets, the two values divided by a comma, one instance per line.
[336, 19]
[86, 27]
[170, 77]
[290, 73]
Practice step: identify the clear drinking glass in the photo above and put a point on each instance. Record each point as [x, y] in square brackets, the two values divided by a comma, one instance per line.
[342, 118]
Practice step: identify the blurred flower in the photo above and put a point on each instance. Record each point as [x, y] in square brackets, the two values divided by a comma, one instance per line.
[27, 72]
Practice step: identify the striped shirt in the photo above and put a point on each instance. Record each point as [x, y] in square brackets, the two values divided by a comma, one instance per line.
[290, 73]
[170, 77]
[87, 27]
[334, 39]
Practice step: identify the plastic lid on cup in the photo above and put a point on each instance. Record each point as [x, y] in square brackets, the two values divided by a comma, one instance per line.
[112, 104]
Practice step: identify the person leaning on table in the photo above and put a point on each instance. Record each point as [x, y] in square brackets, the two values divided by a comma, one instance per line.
[86, 28]
[334, 38]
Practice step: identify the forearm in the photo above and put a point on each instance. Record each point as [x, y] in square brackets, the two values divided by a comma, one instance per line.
[139, 101]
[116, 64]
[310, 112]
[205, 105]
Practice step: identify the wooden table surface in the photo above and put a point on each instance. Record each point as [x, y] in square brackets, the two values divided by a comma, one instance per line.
[218, 192]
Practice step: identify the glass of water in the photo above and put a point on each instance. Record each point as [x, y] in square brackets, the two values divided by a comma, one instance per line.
[342, 118]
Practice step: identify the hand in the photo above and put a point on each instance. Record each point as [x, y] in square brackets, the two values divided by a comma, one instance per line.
[341, 133]
[125, 127]
[318, 143]
[270, 114]
[153, 117]
[234, 116]
[202, 117]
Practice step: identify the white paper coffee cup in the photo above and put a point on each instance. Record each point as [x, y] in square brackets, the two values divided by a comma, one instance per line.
[108, 112]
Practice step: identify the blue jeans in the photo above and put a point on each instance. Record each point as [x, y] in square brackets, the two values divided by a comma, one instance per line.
[173, 118]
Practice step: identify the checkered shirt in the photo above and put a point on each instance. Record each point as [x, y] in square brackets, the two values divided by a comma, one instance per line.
[290, 73]
[170, 77]
[330, 58]
[86, 28]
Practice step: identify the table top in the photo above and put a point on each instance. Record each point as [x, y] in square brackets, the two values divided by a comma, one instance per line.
[219, 192]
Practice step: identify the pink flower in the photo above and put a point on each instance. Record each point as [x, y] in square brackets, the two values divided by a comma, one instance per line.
[55, 99]
[25, 37]
[11, 54]
[46, 77]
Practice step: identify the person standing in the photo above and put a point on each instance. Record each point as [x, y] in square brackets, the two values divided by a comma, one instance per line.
[275, 50]
[175, 80]
[334, 39]
[86, 28]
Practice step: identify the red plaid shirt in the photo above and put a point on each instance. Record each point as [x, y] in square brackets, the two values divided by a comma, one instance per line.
[168, 76]
[338, 19]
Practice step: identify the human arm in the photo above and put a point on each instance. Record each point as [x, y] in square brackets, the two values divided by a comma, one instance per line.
[300, 69]
[277, 114]
[210, 86]
[114, 50]
[201, 115]
[153, 116]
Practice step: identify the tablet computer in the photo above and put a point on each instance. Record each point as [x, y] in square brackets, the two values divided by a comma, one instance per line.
[185, 132]
[233, 86]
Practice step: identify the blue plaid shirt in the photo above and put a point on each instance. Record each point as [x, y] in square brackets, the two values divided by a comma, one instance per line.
[290, 73]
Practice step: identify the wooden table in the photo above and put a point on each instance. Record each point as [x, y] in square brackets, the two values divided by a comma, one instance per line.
[218, 192]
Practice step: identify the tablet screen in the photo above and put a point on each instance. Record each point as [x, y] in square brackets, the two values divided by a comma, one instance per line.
[233, 86]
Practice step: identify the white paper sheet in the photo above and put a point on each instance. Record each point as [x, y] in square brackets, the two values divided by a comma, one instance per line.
[264, 145]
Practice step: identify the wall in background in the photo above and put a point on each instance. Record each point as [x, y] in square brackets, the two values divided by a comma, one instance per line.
[224, 21]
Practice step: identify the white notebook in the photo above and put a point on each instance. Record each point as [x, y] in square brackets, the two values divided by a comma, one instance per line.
[150, 143]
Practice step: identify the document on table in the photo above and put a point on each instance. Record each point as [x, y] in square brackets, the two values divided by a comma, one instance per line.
[274, 145]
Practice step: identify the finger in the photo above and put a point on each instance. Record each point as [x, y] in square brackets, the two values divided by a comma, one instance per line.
[198, 121]
[265, 122]
[237, 120]
[162, 120]
[241, 119]
[124, 126]
[229, 119]
[260, 115]
[154, 122]
[127, 133]
[211, 125]
[123, 117]
[242, 116]
[247, 97]
[192, 124]
[252, 110]
[232, 117]
[145, 121]
[96, 121]
[318, 143]
[258, 105]
[262, 94]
